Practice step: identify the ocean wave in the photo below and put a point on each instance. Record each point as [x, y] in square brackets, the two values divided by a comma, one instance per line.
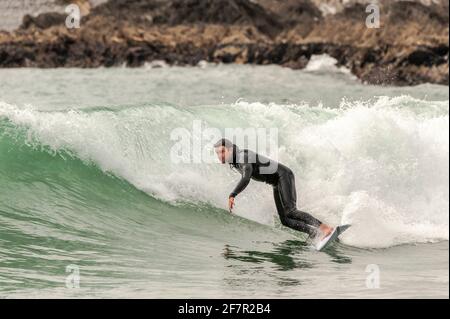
[380, 164]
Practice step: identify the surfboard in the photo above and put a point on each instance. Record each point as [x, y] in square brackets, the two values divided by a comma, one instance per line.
[324, 243]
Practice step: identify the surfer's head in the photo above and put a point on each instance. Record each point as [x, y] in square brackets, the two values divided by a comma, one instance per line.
[225, 149]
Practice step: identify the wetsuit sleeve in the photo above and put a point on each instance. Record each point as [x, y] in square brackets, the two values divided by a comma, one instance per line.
[247, 170]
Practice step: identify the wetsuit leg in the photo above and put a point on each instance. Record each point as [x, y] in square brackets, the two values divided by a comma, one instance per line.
[278, 204]
[285, 196]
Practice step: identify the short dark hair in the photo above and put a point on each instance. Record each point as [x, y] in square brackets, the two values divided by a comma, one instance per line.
[224, 142]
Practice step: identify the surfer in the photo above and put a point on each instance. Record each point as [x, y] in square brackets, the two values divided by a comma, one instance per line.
[282, 179]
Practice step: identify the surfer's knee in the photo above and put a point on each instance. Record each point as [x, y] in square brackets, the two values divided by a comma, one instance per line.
[290, 212]
[285, 221]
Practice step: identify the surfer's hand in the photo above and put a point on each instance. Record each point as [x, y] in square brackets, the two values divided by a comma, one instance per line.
[230, 203]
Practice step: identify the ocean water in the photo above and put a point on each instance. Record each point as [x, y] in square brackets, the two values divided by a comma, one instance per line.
[92, 203]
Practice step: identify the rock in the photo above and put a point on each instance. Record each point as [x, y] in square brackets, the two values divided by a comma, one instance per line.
[410, 47]
[43, 20]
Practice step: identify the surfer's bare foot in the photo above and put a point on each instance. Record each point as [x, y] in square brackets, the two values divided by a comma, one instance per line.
[325, 230]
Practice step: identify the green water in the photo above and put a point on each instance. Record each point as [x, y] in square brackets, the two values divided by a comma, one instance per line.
[86, 183]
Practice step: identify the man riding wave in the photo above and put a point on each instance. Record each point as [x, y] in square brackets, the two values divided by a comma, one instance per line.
[257, 167]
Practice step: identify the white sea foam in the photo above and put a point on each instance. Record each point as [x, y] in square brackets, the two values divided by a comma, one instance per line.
[325, 63]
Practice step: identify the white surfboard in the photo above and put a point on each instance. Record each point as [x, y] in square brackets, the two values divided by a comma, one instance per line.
[324, 243]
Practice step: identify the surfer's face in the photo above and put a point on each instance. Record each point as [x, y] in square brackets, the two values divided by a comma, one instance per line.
[224, 154]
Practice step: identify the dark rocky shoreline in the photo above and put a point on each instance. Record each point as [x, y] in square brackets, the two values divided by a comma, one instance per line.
[411, 47]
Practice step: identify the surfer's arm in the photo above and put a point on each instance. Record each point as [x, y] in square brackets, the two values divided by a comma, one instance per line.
[247, 170]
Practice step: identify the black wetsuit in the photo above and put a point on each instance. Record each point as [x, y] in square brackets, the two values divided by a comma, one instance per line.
[254, 166]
